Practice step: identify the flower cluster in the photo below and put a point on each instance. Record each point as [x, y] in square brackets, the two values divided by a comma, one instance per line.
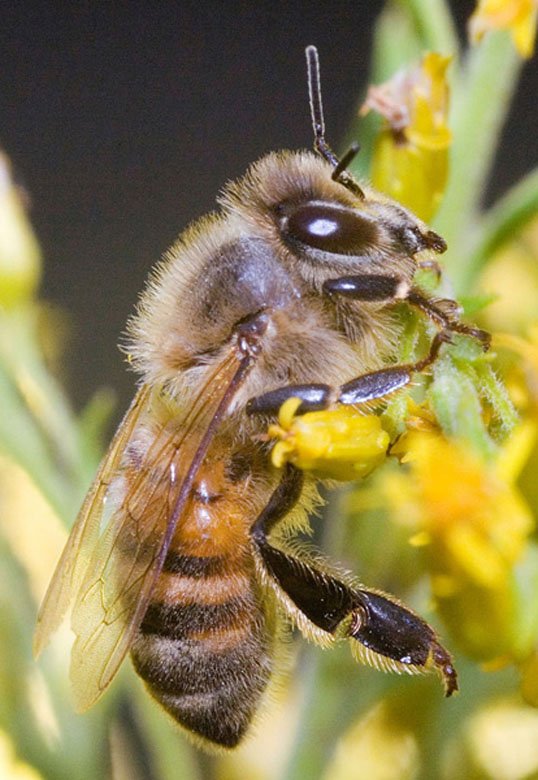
[464, 494]
[411, 154]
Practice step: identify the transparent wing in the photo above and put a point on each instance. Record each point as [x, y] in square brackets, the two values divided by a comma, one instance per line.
[77, 552]
[128, 556]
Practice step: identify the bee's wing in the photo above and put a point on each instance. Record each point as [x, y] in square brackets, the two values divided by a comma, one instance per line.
[129, 554]
[77, 552]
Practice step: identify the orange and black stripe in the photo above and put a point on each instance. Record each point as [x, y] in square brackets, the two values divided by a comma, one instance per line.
[203, 647]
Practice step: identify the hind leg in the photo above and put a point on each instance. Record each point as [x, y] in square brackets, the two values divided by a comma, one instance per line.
[390, 635]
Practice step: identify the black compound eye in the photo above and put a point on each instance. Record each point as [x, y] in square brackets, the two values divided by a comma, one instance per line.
[331, 228]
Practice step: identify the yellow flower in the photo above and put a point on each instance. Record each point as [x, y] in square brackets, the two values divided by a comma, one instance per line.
[516, 16]
[410, 160]
[380, 744]
[474, 524]
[501, 735]
[338, 443]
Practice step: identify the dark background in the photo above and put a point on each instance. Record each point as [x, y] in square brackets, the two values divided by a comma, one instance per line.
[124, 119]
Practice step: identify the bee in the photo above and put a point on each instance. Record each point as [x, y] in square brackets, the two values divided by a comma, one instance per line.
[181, 554]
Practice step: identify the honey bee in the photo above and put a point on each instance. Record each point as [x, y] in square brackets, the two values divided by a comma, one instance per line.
[181, 553]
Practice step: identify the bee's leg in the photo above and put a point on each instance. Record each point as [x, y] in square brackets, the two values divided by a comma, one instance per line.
[375, 385]
[391, 635]
[378, 384]
[314, 398]
[389, 289]
[368, 387]
[443, 311]
[433, 266]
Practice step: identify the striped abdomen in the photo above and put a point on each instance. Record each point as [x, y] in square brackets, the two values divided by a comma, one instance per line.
[203, 646]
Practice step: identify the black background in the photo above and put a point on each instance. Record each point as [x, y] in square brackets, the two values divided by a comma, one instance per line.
[123, 119]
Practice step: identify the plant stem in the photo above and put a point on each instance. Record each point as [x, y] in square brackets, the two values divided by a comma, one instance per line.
[477, 120]
[504, 220]
[433, 23]
[395, 44]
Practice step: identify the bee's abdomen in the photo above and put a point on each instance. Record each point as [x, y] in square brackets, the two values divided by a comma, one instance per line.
[202, 647]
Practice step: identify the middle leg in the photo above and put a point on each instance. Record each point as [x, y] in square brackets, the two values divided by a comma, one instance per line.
[369, 288]
[390, 289]
[364, 389]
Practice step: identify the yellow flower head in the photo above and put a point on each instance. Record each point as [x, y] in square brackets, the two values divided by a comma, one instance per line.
[411, 155]
[338, 443]
[467, 506]
[474, 525]
[516, 16]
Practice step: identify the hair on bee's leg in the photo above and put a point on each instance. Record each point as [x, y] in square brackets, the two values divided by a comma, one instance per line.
[390, 636]
[364, 389]
[442, 312]
[380, 288]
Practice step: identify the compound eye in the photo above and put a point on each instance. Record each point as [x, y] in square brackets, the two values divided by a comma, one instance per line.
[331, 228]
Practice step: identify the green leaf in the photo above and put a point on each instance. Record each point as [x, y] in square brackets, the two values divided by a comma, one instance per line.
[491, 387]
[93, 424]
[472, 304]
[456, 402]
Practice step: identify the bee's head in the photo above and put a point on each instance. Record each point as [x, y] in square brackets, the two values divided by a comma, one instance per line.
[326, 226]
[317, 216]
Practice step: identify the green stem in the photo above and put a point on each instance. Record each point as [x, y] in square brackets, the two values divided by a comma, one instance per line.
[433, 23]
[23, 441]
[504, 220]
[303, 761]
[395, 44]
[481, 102]
[43, 395]
[404, 31]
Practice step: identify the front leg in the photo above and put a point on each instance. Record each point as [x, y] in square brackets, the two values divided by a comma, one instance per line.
[390, 635]
[390, 289]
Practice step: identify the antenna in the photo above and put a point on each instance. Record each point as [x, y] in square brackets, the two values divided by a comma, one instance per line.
[340, 174]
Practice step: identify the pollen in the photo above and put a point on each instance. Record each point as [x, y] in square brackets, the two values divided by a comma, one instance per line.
[339, 443]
